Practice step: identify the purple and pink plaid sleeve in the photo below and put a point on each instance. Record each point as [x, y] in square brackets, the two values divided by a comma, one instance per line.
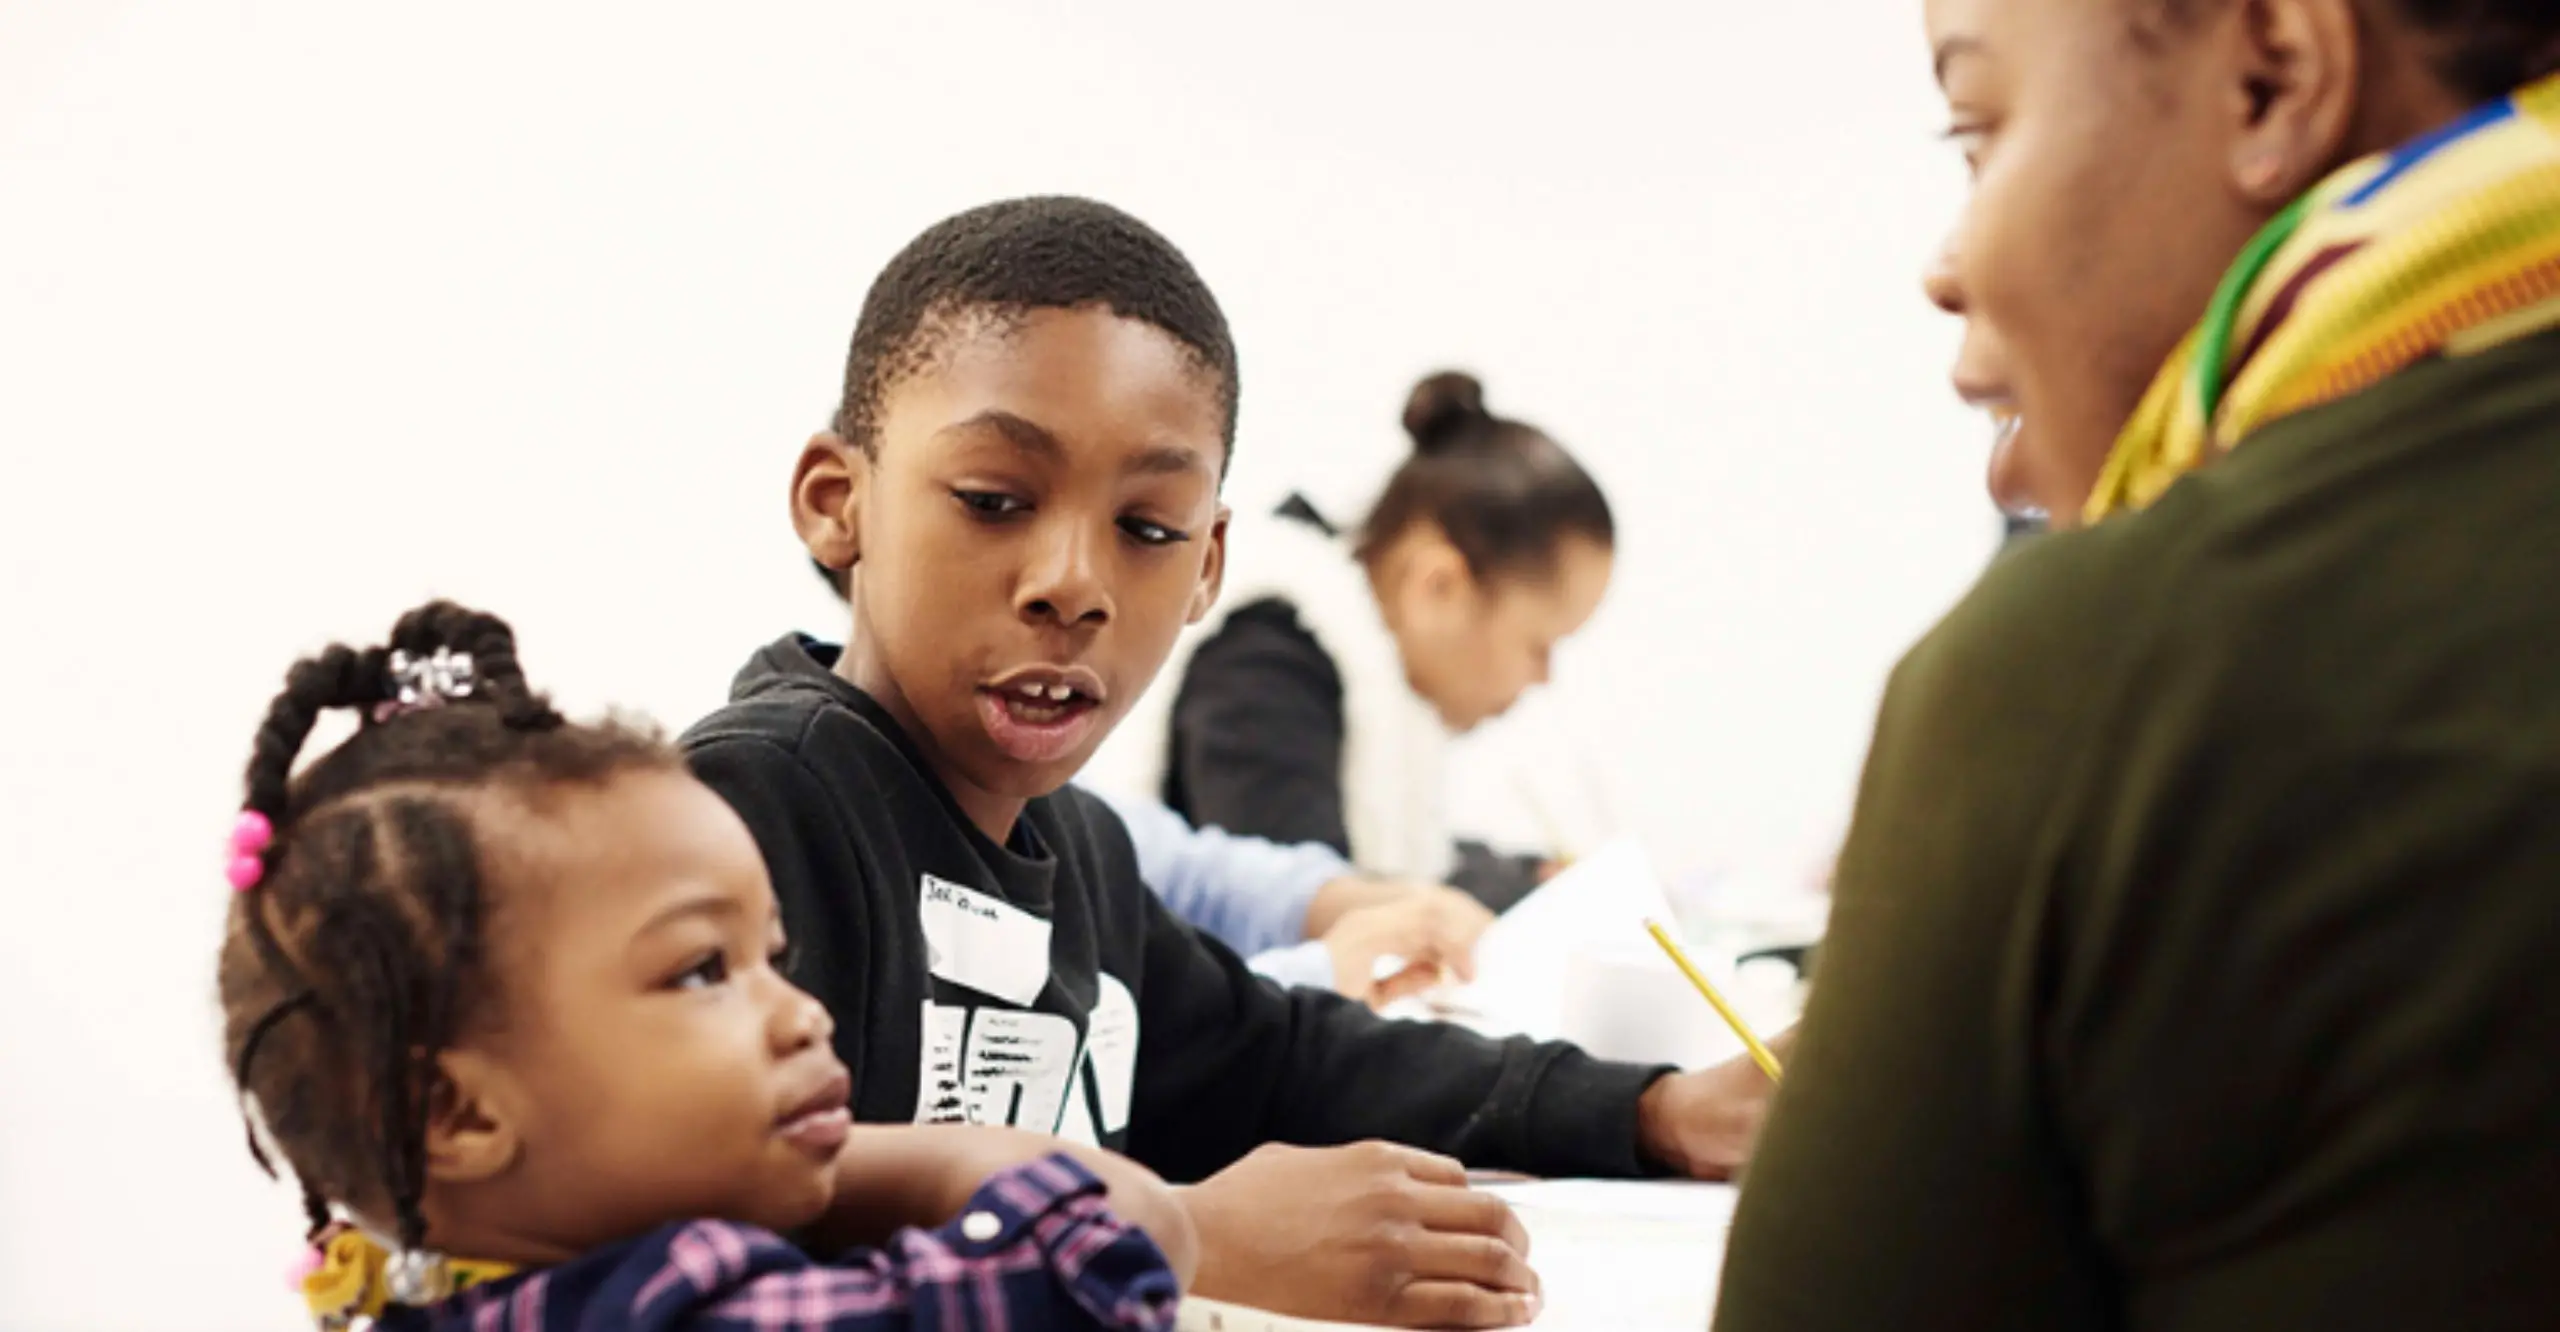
[1036, 1249]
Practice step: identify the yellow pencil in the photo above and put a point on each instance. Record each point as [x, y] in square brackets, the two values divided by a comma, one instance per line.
[1759, 1053]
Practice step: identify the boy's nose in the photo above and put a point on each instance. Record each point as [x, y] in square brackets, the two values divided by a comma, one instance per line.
[1065, 581]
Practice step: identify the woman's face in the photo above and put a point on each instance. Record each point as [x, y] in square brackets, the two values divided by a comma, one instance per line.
[2104, 209]
[1472, 647]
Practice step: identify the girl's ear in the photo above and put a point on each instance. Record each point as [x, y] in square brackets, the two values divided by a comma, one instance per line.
[1437, 568]
[475, 1129]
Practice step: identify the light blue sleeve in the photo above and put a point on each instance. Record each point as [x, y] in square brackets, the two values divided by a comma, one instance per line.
[1308, 965]
[1249, 894]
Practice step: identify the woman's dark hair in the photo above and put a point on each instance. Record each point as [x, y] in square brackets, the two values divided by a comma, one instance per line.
[360, 952]
[2491, 47]
[2483, 49]
[1505, 495]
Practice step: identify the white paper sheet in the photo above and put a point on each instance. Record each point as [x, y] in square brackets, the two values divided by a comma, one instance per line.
[1677, 1201]
[1601, 903]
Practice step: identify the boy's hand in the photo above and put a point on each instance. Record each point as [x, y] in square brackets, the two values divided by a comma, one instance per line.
[1373, 1233]
[1433, 929]
[1703, 1124]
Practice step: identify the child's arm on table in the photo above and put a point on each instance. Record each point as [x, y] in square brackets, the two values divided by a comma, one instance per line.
[892, 1176]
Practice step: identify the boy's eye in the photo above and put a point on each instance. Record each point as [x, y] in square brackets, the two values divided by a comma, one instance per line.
[990, 503]
[708, 970]
[1152, 534]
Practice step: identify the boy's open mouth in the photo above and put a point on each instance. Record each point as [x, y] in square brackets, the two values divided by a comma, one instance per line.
[1041, 714]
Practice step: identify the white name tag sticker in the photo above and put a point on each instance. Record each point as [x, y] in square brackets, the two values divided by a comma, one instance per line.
[985, 943]
[1111, 1050]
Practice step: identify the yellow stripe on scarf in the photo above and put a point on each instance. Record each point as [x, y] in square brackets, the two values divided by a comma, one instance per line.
[2456, 253]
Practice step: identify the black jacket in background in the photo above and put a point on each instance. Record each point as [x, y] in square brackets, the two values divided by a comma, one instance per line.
[1257, 737]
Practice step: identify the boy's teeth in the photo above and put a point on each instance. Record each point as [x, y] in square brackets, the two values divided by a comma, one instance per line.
[1033, 691]
[1059, 693]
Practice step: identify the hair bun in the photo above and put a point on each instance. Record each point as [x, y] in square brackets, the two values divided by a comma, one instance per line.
[1441, 408]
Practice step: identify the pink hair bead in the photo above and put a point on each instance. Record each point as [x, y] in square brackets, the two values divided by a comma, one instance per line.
[251, 833]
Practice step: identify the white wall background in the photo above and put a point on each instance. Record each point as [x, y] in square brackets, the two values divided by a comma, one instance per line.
[310, 309]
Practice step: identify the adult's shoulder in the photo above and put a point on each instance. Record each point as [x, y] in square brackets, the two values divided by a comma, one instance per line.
[2049, 629]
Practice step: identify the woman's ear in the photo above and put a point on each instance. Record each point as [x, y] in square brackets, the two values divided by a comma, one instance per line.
[2298, 67]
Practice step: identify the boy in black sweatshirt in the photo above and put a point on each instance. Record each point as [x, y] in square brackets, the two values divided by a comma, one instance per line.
[1023, 481]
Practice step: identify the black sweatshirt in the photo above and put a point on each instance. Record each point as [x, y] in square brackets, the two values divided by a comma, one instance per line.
[1040, 984]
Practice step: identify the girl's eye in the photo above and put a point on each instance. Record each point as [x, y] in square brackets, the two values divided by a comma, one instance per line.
[989, 503]
[1969, 141]
[1152, 534]
[712, 969]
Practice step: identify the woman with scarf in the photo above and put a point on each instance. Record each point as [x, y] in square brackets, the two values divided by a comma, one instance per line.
[2196, 957]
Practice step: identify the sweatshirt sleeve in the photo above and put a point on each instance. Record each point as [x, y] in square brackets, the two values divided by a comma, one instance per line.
[1230, 1061]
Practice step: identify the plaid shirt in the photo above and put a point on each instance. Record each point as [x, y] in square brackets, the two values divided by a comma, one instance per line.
[1035, 1249]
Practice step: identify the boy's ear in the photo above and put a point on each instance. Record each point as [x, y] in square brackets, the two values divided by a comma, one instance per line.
[826, 495]
[474, 1126]
[1213, 573]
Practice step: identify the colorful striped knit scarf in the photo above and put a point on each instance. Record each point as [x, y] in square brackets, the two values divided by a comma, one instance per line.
[2444, 247]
